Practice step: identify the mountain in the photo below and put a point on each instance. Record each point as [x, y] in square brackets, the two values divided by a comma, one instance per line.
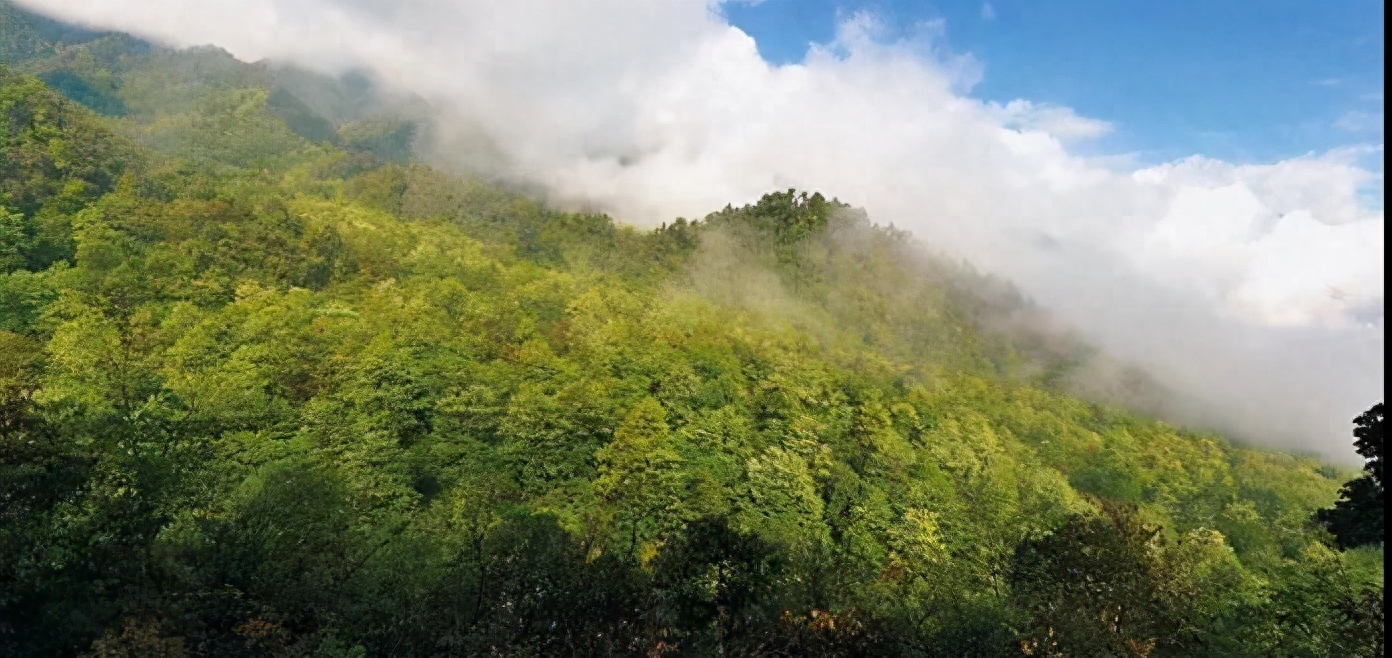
[272, 385]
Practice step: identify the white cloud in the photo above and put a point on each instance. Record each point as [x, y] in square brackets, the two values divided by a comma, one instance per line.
[1061, 122]
[1249, 285]
[988, 13]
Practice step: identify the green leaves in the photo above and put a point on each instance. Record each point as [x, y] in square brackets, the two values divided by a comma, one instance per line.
[54, 153]
[637, 474]
[1357, 517]
[15, 241]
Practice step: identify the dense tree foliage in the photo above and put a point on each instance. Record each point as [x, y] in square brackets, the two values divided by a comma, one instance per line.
[1356, 518]
[267, 389]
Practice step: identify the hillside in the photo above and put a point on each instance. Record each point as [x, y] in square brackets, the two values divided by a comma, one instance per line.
[269, 385]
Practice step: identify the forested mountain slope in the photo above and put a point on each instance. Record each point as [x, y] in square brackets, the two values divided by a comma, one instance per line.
[269, 387]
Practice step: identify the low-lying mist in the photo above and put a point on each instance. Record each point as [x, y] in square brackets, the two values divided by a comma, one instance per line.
[1254, 292]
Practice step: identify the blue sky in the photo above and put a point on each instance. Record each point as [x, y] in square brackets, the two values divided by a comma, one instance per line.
[1244, 81]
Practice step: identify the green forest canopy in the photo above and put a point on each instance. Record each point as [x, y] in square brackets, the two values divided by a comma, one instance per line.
[269, 387]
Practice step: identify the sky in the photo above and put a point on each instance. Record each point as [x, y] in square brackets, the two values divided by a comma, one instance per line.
[1246, 82]
[1194, 187]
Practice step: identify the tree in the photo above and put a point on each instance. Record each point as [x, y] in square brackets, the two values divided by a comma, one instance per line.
[14, 241]
[714, 585]
[1092, 588]
[637, 473]
[1368, 433]
[1356, 518]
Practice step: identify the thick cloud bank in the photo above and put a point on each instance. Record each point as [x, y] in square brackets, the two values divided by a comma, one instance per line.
[1255, 287]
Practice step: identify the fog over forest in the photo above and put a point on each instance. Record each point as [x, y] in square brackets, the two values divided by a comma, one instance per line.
[1256, 288]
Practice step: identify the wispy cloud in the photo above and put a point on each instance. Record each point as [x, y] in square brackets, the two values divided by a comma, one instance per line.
[1058, 121]
[988, 13]
[1356, 121]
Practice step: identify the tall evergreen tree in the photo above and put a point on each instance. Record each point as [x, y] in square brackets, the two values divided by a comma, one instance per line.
[1356, 519]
